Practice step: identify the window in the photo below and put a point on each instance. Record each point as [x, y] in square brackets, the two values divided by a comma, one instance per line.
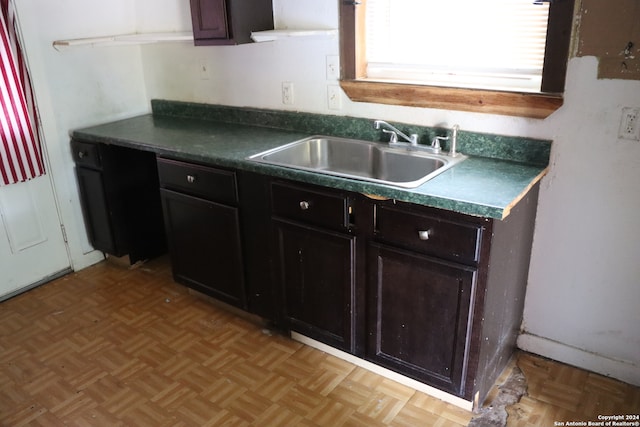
[497, 56]
[446, 56]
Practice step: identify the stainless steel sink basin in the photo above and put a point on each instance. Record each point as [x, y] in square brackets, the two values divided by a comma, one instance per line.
[352, 158]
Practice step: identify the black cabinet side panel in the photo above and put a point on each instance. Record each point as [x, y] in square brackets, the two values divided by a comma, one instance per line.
[257, 244]
[505, 291]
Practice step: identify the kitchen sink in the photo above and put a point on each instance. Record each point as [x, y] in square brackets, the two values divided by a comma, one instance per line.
[352, 158]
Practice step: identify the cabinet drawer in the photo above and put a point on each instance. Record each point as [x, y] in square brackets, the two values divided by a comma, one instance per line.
[201, 181]
[86, 154]
[428, 234]
[310, 206]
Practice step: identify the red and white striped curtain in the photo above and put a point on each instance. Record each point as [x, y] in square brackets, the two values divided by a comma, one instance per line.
[20, 149]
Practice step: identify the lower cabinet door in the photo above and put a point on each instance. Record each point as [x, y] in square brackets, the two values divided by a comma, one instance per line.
[418, 312]
[204, 245]
[98, 213]
[317, 269]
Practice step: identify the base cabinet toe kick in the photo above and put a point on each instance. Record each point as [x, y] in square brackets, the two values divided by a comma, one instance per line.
[434, 295]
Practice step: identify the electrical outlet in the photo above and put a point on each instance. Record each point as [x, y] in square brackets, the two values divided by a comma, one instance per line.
[334, 97]
[287, 93]
[333, 67]
[630, 124]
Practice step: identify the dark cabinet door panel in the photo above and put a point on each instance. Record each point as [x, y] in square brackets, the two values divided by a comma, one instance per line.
[229, 22]
[204, 242]
[317, 270]
[97, 212]
[418, 315]
[209, 19]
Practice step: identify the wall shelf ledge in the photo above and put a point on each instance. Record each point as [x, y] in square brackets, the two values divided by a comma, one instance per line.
[273, 35]
[125, 39]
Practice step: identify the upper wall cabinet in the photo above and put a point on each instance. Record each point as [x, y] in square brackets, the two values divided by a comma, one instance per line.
[229, 22]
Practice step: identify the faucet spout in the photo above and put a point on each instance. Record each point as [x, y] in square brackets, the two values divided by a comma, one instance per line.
[381, 124]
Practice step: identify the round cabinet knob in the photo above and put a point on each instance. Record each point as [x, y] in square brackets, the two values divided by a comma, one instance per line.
[423, 234]
[81, 154]
[191, 179]
[304, 205]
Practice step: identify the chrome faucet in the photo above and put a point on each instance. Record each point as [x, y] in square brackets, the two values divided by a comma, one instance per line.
[413, 139]
[435, 143]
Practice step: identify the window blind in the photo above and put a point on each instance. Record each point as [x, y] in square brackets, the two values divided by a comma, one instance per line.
[464, 43]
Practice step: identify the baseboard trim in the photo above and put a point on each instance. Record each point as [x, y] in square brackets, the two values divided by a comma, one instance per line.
[620, 370]
[417, 385]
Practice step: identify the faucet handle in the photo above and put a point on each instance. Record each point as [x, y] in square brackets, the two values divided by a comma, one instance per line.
[394, 136]
[435, 143]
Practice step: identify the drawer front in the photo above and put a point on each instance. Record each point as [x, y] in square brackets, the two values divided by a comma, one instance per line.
[86, 154]
[310, 206]
[208, 183]
[428, 234]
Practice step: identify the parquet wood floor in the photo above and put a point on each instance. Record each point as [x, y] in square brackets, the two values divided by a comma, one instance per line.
[112, 346]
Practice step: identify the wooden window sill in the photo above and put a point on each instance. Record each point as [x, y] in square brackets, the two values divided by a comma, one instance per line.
[533, 105]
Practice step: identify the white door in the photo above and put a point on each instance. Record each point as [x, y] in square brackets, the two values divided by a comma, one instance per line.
[32, 244]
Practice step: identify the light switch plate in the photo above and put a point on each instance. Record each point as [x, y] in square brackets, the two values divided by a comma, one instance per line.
[333, 67]
[287, 93]
[334, 97]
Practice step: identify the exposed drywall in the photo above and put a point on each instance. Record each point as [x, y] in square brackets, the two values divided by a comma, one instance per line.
[583, 292]
[610, 31]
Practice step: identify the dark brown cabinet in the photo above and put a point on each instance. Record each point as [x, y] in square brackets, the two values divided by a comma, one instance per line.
[120, 200]
[101, 219]
[228, 22]
[203, 229]
[418, 312]
[418, 301]
[445, 293]
[429, 293]
[316, 263]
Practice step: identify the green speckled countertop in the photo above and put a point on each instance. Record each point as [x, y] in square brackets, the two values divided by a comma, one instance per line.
[498, 173]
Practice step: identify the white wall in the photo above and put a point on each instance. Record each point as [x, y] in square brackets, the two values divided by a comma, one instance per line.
[79, 86]
[584, 284]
